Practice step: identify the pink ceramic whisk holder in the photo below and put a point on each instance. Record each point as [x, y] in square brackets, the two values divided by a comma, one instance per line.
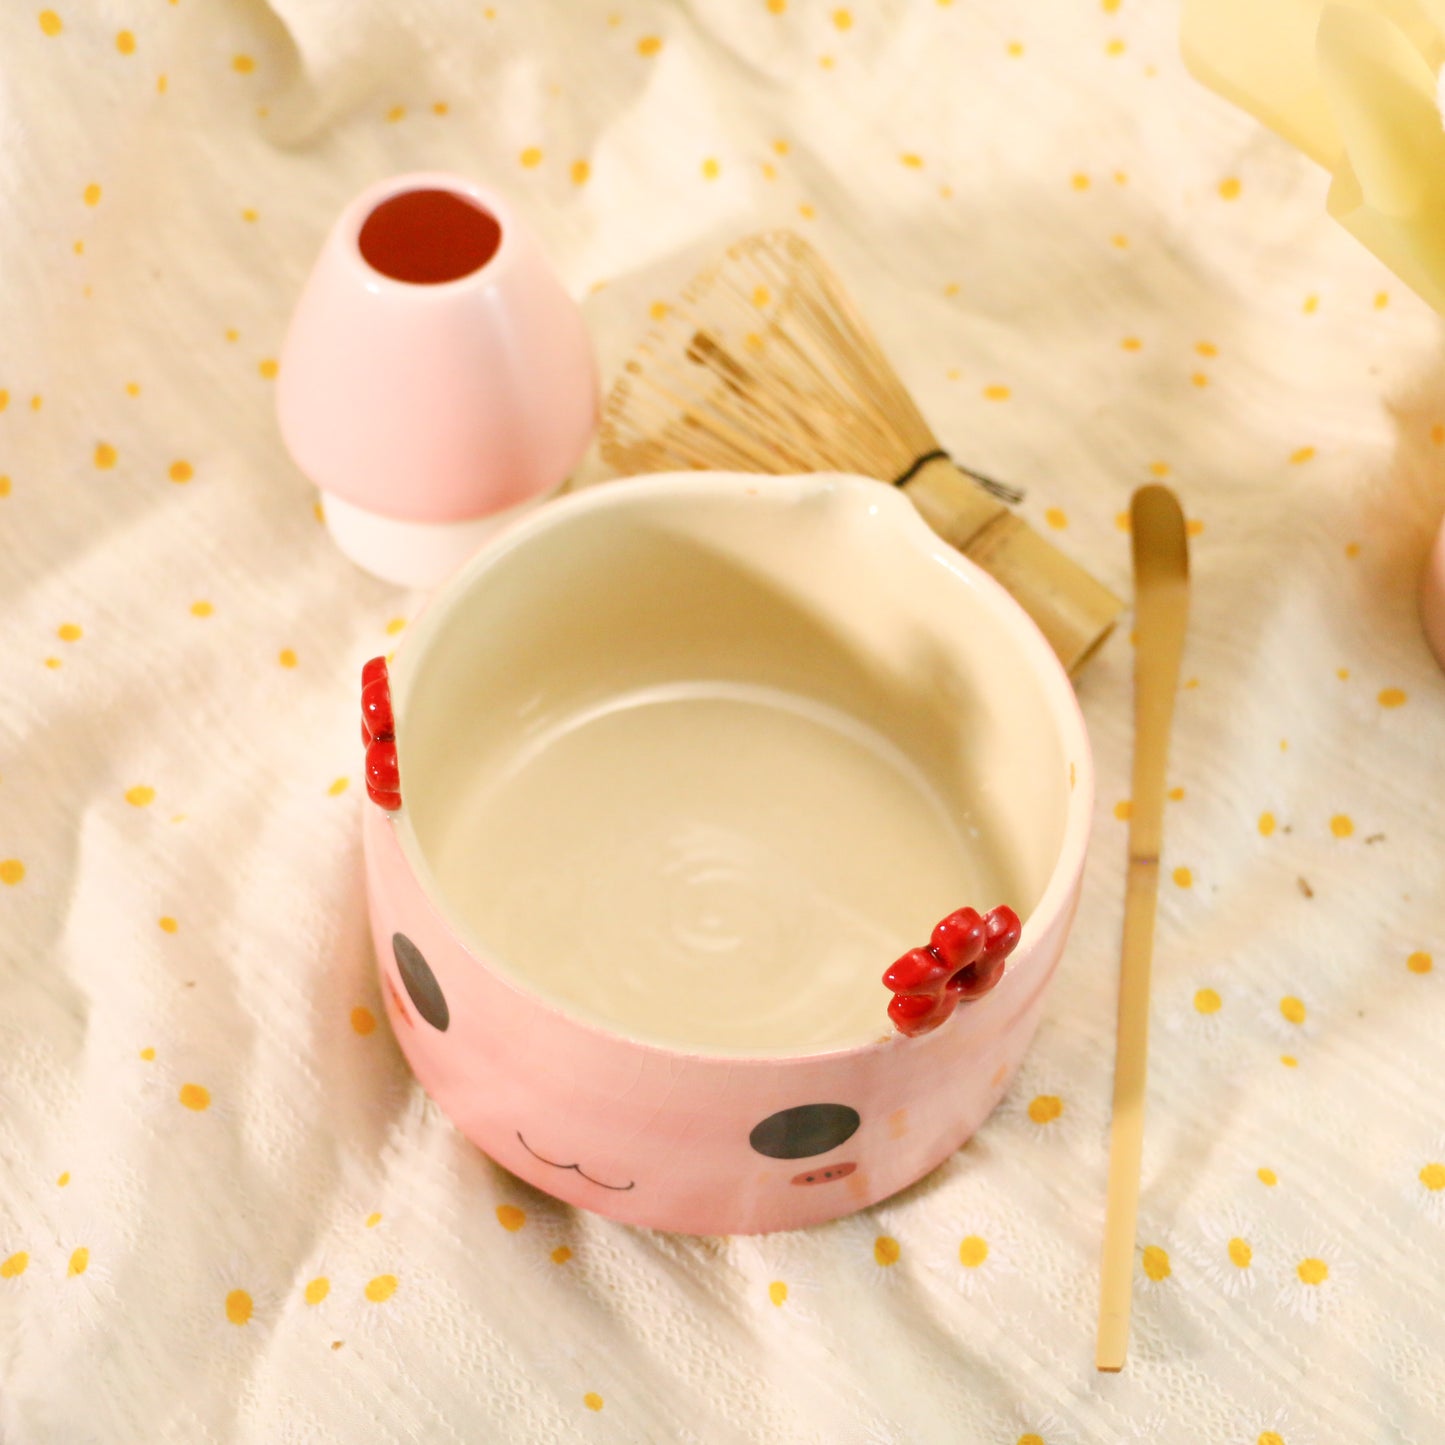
[437, 378]
[707, 808]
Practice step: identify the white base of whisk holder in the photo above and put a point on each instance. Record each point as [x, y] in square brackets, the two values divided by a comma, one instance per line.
[413, 554]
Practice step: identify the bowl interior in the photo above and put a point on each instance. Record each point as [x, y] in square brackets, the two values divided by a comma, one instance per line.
[697, 761]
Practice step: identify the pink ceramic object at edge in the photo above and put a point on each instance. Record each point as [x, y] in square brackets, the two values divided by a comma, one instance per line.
[438, 408]
[1432, 597]
[660, 1136]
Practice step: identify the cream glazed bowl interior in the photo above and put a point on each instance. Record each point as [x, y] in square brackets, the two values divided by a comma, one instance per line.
[685, 763]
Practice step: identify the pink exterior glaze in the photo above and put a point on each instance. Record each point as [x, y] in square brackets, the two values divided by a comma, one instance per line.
[1432, 597]
[675, 1126]
[436, 403]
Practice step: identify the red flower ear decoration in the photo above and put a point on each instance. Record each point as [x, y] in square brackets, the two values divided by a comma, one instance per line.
[378, 732]
[963, 961]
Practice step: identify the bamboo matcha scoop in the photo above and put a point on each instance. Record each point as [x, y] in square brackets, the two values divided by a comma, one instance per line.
[1161, 611]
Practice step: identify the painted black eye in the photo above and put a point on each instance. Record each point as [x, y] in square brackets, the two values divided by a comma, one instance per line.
[807, 1129]
[421, 983]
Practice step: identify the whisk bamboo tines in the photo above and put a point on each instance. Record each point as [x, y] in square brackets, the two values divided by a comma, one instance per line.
[763, 364]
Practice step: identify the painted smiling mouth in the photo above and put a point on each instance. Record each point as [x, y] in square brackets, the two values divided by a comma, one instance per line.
[618, 1188]
[823, 1175]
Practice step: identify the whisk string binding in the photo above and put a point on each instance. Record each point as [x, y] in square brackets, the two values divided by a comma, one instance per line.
[1012, 495]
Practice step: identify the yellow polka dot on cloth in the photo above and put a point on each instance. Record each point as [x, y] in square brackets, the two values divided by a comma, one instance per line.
[79, 1262]
[561, 1254]
[972, 1251]
[843, 19]
[649, 45]
[439, 107]
[1382, 300]
[1266, 824]
[1056, 518]
[1289, 1061]
[1416, 963]
[238, 1307]
[510, 1217]
[201, 608]
[395, 114]
[1229, 188]
[996, 392]
[92, 194]
[1045, 1108]
[1199, 379]
[1029, 1438]
[195, 1097]
[148, 1053]
[777, 1292]
[363, 1021]
[711, 169]
[125, 42]
[338, 787]
[316, 1290]
[1341, 825]
[181, 472]
[287, 657]
[12, 871]
[776, 7]
[1270, 1437]
[580, 172]
[69, 632]
[1301, 455]
[1115, 47]
[1158, 469]
[886, 1250]
[1207, 1001]
[15, 1265]
[1432, 1176]
[1079, 181]
[1183, 878]
[1119, 242]
[1156, 1263]
[372, 1220]
[1123, 810]
[268, 368]
[592, 1400]
[1015, 48]
[912, 160]
[1312, 1271]
[380, 1289]
[167, 924]
[242, 64]
[1391, 697]
[140, 796]
[104, 455]
[1195, 527]
[50, 23]
[63, 1179]
[1267, 1177]
[1293, 1009]
[1240, 1254]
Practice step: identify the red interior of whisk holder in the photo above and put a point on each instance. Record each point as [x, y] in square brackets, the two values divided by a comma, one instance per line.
[428, 237]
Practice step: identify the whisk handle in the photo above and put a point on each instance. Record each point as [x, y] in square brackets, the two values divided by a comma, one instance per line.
[1073, 611]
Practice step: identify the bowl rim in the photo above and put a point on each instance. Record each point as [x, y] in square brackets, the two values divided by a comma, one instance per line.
[1058, 896]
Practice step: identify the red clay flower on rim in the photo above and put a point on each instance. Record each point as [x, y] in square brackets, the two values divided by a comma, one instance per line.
[378, 732]
[964, 959]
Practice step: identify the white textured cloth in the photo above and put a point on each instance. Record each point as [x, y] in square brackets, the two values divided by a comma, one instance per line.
[226, 1212]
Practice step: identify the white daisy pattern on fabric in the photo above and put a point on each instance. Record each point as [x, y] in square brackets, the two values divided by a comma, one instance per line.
[1315, 1274]
[1224, 1250]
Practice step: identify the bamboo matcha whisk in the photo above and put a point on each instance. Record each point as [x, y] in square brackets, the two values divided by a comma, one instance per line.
[764, 365]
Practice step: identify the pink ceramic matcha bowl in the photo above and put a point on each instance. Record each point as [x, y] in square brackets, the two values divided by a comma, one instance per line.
[828, 591]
